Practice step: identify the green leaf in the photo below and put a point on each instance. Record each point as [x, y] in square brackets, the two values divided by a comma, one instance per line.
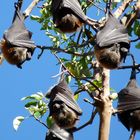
[37, 114]
[35, 17]
[76, 97]
[49, 121]
[138, 46]
[17, 121]
[29, 104]
[37, 96]
[68, 78]
[137, 28]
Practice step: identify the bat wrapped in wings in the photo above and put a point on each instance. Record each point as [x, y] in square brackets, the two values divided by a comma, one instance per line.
[68, 15]
[57, 133]
[129, 104]
[17, 46]
[63, 107]
[112, 43]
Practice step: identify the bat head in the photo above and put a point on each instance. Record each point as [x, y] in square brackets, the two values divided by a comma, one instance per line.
[67, 15]
[17, 46]
[64, 116]
[109, 57]
[63, 107]
[15, 55]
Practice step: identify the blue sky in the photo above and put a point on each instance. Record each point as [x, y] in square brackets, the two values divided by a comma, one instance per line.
[36, 75]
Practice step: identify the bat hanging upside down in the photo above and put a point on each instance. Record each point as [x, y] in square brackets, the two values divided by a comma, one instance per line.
[63, 107]
[112, 43]
[68, 15]
[129, 104]
[17, 46]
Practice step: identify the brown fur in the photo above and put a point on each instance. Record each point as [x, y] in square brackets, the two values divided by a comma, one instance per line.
[69, 23]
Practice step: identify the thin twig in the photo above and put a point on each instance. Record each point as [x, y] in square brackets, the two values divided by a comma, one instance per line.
[88, 122]
[129, 67]
[135, 40]
[63, 51]
[78, 78]
[122, 8]
[40, 121]
[97, 6]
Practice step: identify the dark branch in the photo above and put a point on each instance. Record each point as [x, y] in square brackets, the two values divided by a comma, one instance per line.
[88, 122]
[63, 51]
[132, 135]
[40, 121]
[135, 40]
[129, 67]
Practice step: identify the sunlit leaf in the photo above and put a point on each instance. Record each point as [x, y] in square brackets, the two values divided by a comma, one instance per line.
[76, 96]
[17, 122]
[49, 121]
[137, 28]
[138, 46]
[37, 114]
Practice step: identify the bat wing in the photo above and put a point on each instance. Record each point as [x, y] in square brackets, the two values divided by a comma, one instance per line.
[124, 119]
[129, 99]
[69, 101]
[61, 92]
[55, 133]
[112, 32]
[17, 34]
[74, 5]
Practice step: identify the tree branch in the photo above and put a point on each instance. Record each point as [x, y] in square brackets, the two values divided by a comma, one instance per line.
[105, 82]
[88, 122]
[130, 18]
[63, 51]
[104, 106]
[30, 8]
[136, 66]
[77, 78]
[135, 40]
[40, 121]
[122, 8]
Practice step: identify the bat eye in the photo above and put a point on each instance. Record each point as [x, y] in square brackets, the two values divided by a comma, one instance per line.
[131, 114]
[13, 52]
[56, 107]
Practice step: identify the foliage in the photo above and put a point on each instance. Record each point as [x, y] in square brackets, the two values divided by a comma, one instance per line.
[76, 53]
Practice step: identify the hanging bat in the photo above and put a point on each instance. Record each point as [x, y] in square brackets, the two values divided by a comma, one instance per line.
[17, 46]
[63, 107]
[129, 104]
[57, 133]
[112, 43]
[68, 15]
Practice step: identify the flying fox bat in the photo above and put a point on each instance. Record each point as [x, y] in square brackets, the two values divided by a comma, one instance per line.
[112, 43]
[17, 46]
[63, 107]
[129, 104]
[68, 15]
[57, 133]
